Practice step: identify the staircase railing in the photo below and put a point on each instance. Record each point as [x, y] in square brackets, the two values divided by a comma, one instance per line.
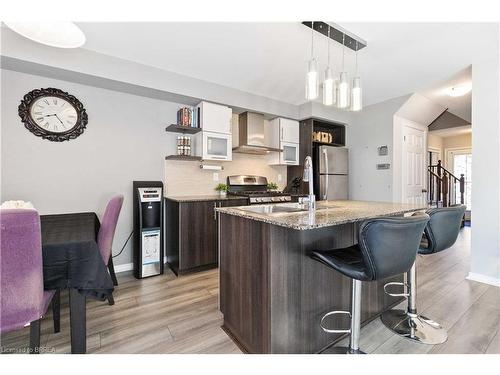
[443, 185]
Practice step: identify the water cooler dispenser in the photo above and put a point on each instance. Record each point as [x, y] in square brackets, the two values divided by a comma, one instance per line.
[148, 228]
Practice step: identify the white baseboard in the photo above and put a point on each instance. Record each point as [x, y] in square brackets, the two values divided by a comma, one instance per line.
[130, 266]
[124, 267]
[483, 279]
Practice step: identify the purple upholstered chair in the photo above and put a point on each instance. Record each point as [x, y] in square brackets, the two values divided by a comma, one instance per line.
[106, 234]
[23, 299]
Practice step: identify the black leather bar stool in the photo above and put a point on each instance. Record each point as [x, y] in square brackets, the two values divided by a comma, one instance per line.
[386, 247]
[440, 233]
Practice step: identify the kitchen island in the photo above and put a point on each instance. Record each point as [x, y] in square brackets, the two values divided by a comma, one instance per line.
[272, 294]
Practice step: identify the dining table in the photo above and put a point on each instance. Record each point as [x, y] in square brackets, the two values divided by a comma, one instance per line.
[72, 260]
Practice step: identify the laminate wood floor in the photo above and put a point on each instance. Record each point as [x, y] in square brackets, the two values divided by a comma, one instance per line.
[166, 314]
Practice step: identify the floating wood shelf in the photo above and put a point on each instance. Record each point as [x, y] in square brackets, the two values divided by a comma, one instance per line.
[174, 128]
[328, 144]
[183, 157]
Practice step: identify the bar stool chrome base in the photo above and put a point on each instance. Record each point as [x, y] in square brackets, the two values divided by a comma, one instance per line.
[343, 350]
[414, 327]
[355, 328]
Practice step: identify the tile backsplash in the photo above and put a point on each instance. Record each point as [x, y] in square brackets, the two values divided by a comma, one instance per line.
[186, 177]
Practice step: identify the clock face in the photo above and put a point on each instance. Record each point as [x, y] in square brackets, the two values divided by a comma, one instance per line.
[53, 114]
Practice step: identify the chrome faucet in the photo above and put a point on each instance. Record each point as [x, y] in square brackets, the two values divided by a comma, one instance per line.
[308, 177]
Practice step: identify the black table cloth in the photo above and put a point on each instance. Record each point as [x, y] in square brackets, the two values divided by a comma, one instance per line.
[71, 257]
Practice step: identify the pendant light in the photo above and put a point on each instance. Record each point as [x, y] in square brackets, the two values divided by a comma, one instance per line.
[312, 80]
[328, 89]
[343, 87]
[356, 92]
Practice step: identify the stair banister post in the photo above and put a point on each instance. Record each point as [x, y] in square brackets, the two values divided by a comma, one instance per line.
[445, 189]
[438, 187]
[462, 188]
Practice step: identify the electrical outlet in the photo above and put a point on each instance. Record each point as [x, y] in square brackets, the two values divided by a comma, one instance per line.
[280, 177]
[216, 176]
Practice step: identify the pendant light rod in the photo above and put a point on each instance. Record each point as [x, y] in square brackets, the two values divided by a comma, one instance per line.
[343, 54]
[312, 40]
[328, 41]
[338, 34]
[356, 58]
[312, 77]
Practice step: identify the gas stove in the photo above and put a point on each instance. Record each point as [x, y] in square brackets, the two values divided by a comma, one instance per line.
[255, 189]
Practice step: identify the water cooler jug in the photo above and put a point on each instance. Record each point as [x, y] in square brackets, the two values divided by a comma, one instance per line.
[148, 228]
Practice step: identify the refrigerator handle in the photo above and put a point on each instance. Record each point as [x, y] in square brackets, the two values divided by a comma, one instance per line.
[327, 177]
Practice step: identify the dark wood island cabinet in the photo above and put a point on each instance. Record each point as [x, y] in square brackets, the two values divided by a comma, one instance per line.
[273, 295]
[191, 231]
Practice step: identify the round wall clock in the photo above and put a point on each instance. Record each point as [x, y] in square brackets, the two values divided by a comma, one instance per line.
[53, 114]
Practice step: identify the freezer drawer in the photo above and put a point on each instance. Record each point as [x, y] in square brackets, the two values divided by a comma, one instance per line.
[333, 160]
[333, 187]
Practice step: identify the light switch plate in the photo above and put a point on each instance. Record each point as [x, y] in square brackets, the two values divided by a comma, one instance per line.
[384, 166]
[280, 177]
[216, 176]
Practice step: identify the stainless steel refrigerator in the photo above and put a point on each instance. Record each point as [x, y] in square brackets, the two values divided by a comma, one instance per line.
[331, 166]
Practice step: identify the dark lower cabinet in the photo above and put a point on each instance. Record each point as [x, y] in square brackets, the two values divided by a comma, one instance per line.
[191, 233]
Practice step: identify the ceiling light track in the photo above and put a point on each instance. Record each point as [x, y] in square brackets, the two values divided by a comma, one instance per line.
[338, 34]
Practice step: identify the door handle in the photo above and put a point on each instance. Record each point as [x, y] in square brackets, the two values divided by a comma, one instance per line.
[327, 177]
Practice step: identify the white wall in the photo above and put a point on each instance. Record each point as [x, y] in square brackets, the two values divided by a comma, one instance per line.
[485, 257]
[92, 68]
[368, 130]
[124, 141]
[435, 142]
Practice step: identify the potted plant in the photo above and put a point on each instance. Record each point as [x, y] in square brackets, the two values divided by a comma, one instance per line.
[222, 189]
[272, 186]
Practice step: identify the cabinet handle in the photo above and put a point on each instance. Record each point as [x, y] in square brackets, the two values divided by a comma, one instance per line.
[215, 212]
[281, 129]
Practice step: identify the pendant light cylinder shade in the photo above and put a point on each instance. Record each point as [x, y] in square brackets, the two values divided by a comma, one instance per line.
[343, 91]
[356, 95]
[312, 80]
[328, 89]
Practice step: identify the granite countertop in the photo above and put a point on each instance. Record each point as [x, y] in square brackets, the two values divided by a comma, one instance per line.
[327, 213]
[202, 198]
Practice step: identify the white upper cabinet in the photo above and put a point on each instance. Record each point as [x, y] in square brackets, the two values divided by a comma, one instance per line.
[281, 130]
[283, 134]
[217, 146]
[289, 130]
[215, 117]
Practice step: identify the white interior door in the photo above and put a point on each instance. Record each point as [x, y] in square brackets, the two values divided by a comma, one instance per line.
[414, 163]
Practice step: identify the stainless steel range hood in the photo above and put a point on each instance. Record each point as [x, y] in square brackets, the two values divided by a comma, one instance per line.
[250, 135]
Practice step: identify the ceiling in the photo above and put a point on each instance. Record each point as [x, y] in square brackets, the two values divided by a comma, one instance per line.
[452, 132]
[269, 59]
[460, 105]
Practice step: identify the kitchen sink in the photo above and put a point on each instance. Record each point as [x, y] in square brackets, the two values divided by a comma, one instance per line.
[275, 208]
[325, 204]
